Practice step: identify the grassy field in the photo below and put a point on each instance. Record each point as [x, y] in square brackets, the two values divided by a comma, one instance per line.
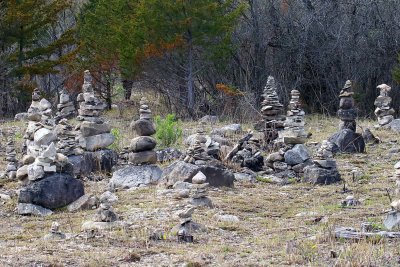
[269, 232]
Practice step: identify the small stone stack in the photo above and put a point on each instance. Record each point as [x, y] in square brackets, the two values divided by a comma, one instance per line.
[196, 154]
[55, 233]
[105, 213]
[294, 132]
[199, 194]
[66, 109]
[347, 140]
[246, 154]
[142, 147]
[95, 133]
[40, 108]
[383, 111]
[347, 113]
[272, 112]
[323, 170]
[66, 136]
[44, 163]
[11, 158]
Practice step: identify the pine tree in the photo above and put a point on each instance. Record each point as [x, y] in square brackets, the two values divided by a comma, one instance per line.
[198, 29]
[24, 26]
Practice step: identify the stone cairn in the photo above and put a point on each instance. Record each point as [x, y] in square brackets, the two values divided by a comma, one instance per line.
[141, 150]
[196, 154]
[11, 158]
[66, 136]
[246, 153]
[199, 191]
[324, 170]
[272, 112]
[294, 132]
[66, 109]
[392, 219]
[38, 135]
[94, 132]
[383, 111]
[347, 140]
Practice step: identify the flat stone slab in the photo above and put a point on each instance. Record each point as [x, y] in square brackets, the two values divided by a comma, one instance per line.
[135, 176]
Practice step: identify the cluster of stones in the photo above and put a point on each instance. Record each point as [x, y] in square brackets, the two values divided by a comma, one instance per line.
[55, 233]
[383, 111]
[196, 154]
[94, 132]
[272, 112]
[65, 107]
[47, 184]
[141, 150]
[294, 132]
[392, 219]
[246, 153]
[323, 170]
[66, 136]
[199, 191]
[347, 140]
[11, 158]
[38, 135]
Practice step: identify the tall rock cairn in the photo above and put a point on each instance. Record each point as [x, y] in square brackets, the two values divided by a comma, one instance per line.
[294, 132]
[383, 111]
[66, 109]
[94, 132]
[347, 113]
[66, 136]
[272, 112]
[142, 147]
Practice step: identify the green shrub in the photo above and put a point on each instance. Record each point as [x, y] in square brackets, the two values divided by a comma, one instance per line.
[168, 130]
[117, 134]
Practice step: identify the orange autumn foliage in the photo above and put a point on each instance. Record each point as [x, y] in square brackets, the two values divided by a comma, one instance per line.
[157, 50]
[228, 90]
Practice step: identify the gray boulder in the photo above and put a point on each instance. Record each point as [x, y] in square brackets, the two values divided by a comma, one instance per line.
[143, 143]
[316, 175]
[31, 209]
[44, 137]
[91, 128]
[143, 127]
[55, 191]
[182, 171]
[96, 142]
[143, 157]
[348, 141]
[85, 202]
[298, 154]
[135, 176]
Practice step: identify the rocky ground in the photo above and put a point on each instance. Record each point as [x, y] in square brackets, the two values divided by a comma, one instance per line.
[278, 225]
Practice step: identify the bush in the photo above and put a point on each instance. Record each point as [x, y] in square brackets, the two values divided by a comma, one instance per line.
[168, 130]
[116, 145]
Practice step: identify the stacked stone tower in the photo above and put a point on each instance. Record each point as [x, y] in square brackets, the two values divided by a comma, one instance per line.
[94, 132]
[66, 109]
[383, 111]
[272, 112]
[142, 147]
[294, 132]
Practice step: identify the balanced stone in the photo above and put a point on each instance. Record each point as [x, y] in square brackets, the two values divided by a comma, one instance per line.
[383, 111]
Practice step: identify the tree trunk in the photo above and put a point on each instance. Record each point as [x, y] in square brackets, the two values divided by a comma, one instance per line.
[127, 85]
[190, 85]
[108, 98]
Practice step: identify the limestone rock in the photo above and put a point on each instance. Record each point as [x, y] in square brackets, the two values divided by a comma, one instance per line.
[90, 128]
[96, 142]
[143, 143]
[135, 176]
[298, 154]
[31, 209]
[143, 127]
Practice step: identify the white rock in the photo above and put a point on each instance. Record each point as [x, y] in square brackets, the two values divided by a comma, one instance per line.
[199, 178]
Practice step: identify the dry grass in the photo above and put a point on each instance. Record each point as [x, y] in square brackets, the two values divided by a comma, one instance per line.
[268, 234]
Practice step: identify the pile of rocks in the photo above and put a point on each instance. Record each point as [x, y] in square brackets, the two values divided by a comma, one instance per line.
[38, 133]
[141, 156]
[323, 170]
[247, 154]
[294, 132]
[66, 136]
[11, 158]
[347, 140]
[383, 111]
[209, 144]
[55, 233]
[66, 109]
[272, 112]
[142, 147]
[199, 191]
[196, 154]
[94, 132]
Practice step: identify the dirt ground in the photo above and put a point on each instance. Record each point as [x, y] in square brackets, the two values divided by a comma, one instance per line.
[289, 225]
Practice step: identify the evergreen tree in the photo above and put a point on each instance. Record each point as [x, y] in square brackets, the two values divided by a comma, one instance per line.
[197, 29]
